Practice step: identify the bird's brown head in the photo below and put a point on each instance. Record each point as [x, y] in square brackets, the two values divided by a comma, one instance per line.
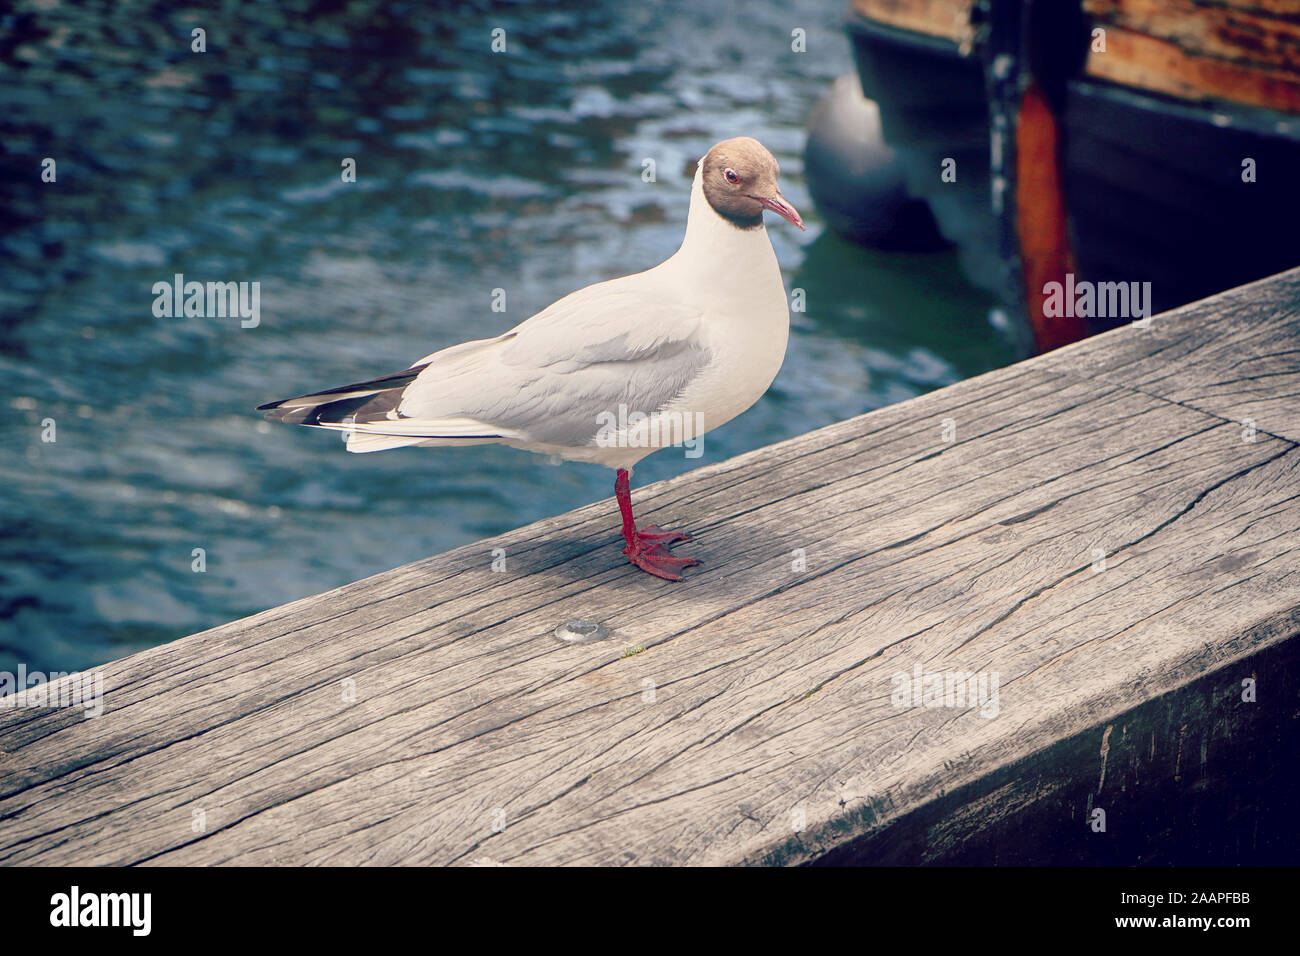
[739, 177]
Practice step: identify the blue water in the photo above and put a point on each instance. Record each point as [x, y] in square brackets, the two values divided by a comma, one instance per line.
[476, 171]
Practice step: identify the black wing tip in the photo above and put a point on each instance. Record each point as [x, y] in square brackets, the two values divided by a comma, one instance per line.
[293, 415]
[395, 380]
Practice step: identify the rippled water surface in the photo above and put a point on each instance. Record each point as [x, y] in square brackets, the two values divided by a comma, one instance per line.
[476, 171]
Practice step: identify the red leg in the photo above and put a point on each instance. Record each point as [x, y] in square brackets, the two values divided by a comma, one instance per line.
[648, 548]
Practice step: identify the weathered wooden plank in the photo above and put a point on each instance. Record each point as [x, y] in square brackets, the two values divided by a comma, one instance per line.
[1243, 365]
[1188, 752]
[1236, 51]
[1246, 53]
[949, 19]
[768, 695]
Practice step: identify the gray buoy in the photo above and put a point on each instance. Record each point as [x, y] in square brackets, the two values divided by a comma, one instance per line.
[856, 179]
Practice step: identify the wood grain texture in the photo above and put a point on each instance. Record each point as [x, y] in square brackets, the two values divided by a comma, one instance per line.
[760, 697]
[949, 19]
[1240, 371]
[1237, 51]
[1247, 53]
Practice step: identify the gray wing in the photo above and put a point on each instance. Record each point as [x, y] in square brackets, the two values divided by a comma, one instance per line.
[551, 378]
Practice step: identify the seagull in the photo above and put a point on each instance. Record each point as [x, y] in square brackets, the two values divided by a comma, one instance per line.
[612, 372]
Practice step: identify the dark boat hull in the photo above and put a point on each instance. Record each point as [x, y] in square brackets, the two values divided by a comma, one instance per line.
[1153, 184]
[1155, 192]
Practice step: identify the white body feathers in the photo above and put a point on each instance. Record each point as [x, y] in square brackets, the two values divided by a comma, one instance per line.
[698, 339]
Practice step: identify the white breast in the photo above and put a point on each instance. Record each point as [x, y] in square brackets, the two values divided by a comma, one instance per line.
[732, 275]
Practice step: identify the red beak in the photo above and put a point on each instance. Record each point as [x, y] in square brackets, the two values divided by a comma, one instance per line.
[782, 208]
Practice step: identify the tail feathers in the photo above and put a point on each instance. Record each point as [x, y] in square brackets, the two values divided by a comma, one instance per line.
[306, 409]
[422, 428]
[397, 433]
[364, 443]
[359, 443]
[368, 413]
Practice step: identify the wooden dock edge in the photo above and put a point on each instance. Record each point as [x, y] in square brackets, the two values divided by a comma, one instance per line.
[1109, 527]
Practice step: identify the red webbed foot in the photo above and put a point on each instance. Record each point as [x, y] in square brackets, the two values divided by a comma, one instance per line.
[648, 548]
[653, 534]
[649, 552]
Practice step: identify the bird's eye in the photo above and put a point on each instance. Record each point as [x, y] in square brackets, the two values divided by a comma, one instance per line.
[732, 176]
